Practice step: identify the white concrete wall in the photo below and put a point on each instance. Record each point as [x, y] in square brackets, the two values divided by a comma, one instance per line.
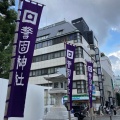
[34, 106]
[106, 65]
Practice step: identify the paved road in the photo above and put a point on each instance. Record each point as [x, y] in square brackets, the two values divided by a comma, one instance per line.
[106, 117]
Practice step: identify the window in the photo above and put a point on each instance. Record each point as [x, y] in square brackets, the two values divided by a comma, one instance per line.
[62, 53]
[56, 85]
[79, 52]
[78, 39]
[51, 100]
[74, 84]
[38, 72]
[44, 72]
[49, 42]
[30, 73]
[81, 86]
[59, 32]
[38, 45]
[80, 69]
[45, 44]
[61, 85]
[33, 73]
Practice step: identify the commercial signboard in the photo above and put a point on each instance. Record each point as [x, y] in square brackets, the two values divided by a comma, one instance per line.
[70, 55]
[27, 32]
[79, 97]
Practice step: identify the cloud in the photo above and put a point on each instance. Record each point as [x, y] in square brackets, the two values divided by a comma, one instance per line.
[115, 54]
[100, 15]
[115, 61]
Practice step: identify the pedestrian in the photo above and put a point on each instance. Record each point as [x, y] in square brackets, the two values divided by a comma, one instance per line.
[72, 111]
[114, 110]
[107, 110]
[101, 113]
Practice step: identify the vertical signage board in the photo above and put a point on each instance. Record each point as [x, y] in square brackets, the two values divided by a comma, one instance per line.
[90, 80]
[70, 55]
[27, 32]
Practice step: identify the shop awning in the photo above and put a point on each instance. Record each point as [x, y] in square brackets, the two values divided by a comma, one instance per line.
[79, 97]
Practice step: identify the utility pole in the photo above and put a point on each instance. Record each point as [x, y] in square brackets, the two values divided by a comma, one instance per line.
[10, 75]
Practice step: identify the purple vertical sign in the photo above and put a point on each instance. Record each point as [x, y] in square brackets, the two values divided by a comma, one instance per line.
[90, 79]
[27, 32]
[70, 55]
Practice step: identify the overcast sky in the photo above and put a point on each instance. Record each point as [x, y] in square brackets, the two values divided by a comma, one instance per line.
[102, 16]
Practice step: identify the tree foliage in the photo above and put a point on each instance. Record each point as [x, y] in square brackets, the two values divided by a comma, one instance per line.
[102, 54]
[7, 29]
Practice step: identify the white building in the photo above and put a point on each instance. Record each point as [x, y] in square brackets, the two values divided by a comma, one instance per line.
[49, 53]
[108, 78]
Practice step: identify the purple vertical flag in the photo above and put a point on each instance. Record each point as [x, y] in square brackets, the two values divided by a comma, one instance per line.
[90, 80]
[27, 32]
[70, 55]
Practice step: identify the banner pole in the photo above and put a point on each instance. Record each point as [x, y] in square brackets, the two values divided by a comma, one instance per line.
[68, 102]
[10, 74]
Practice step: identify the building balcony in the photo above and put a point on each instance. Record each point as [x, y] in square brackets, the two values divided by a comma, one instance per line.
[92, 52]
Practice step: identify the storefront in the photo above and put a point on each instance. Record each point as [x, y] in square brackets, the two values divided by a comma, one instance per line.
[79, 99]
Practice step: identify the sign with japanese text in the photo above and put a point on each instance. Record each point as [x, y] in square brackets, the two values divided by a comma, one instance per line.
[90, 80]
[27, 32]
[70, 55]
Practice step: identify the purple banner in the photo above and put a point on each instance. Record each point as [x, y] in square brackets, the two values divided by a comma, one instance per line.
[70, 55]
[90, 80]
[27, 32]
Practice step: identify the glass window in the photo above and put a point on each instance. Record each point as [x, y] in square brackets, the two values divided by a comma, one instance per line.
[40, 58]
[51, 100]
[62, 53]
[82, 68]
[37, 58]
[45, 57]
[45, 44]
[52, 70]
[78, 86]
[37, 45]
[49, 56]
[30, 74]
[33, 73]
[74, 84]
[78, 90]
[38, 72]
[52, 55]
[81, 86]
[56, 55]
[49, 72]
[78, 82]
[61, 85]
[49, 42]
[79, 52]
[56, 85]
[44, 72]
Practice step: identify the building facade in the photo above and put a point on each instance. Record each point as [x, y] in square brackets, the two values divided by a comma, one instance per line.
[49, 54]
[109, 79]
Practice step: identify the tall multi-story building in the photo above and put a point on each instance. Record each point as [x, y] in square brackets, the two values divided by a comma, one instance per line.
[108, 78]
[49, 54]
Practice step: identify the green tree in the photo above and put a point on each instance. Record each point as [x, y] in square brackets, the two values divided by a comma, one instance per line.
[7, 29]
[102, 54]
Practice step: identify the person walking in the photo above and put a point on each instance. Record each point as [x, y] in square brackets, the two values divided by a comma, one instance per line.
[114, 110]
